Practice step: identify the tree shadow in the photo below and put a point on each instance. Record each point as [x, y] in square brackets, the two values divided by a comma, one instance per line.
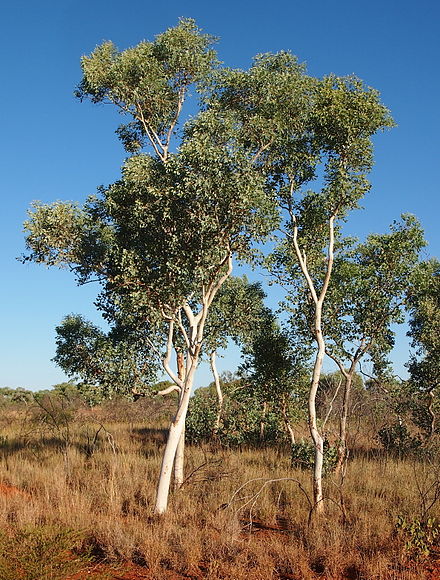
[10, 447]
[150, 436]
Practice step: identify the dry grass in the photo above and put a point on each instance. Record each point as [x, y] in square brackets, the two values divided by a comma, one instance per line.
[103, 491]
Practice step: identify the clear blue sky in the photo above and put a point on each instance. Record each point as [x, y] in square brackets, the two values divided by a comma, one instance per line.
[54, 147]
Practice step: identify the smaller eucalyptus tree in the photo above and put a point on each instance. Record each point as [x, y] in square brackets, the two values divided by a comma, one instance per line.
[367, 297]
[276, 372]
[311, 138]
[424, 309]
[235, 315]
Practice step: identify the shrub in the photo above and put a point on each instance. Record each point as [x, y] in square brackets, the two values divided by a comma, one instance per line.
[240, 424]
[303, 456]
[40, 552]
[420, 535]
[396, 439]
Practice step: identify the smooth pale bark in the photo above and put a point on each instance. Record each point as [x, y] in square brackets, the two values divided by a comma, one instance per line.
[174, 436]
[218, 388]
[431, 413]
[348, 375]
[179, 460]
[318, 440]
[193, 340]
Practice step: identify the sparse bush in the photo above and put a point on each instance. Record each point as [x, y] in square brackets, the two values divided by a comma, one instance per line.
[396, 439]
[420, 535]
[303, 456]
[241, 424]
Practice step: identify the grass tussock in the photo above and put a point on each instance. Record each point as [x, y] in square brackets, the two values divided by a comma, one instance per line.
[88, 495]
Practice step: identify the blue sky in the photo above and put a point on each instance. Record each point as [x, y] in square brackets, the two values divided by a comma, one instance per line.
[54, 147]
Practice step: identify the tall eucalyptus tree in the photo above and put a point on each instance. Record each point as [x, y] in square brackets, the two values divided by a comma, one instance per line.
[161, 240]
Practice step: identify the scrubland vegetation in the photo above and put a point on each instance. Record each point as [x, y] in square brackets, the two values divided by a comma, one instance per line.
[78, 489]
[286, 472]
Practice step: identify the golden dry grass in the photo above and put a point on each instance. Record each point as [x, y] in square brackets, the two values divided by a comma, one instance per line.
[242, 514]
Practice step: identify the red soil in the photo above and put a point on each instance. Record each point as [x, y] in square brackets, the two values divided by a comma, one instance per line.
[9, 490]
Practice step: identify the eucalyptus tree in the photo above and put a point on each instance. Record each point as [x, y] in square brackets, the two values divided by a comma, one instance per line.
[366, 298]
[424, 309]
[312, 140]
[347, 115]
[161, 240]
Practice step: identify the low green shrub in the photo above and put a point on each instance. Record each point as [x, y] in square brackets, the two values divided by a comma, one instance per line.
[40, 552]
[303, 456]
[420, 535]
[397, 440]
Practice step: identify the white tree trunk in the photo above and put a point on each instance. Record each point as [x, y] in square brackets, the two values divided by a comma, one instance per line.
[317, 438]
[174, 436]
[179, 460]
[287, 422]
[193, 340]
[219, 391]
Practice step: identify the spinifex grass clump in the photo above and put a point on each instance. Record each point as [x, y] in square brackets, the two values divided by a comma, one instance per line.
[41, 551]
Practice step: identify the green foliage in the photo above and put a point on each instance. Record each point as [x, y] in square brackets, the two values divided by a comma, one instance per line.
[107, 364]
[303, 456]
[275, 371]
[160, 237]
[241, 421]
[43, 552]
[367, 294]
[396, 439]
[236, 313]
[11, 396]
[424, 309]
[148, 81]
[202, 413]
[420, 536]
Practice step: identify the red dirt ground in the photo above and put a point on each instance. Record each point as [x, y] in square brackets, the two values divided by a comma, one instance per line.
[9, 490]
[133, 572]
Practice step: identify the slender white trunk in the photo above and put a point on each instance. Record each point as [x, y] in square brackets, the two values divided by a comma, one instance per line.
[263, 421]
[291, 432]
[317, 438]
[179, 460]
[343, 419]
[431, 413]
[287, 422]
[174, 435]
[219, 391]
